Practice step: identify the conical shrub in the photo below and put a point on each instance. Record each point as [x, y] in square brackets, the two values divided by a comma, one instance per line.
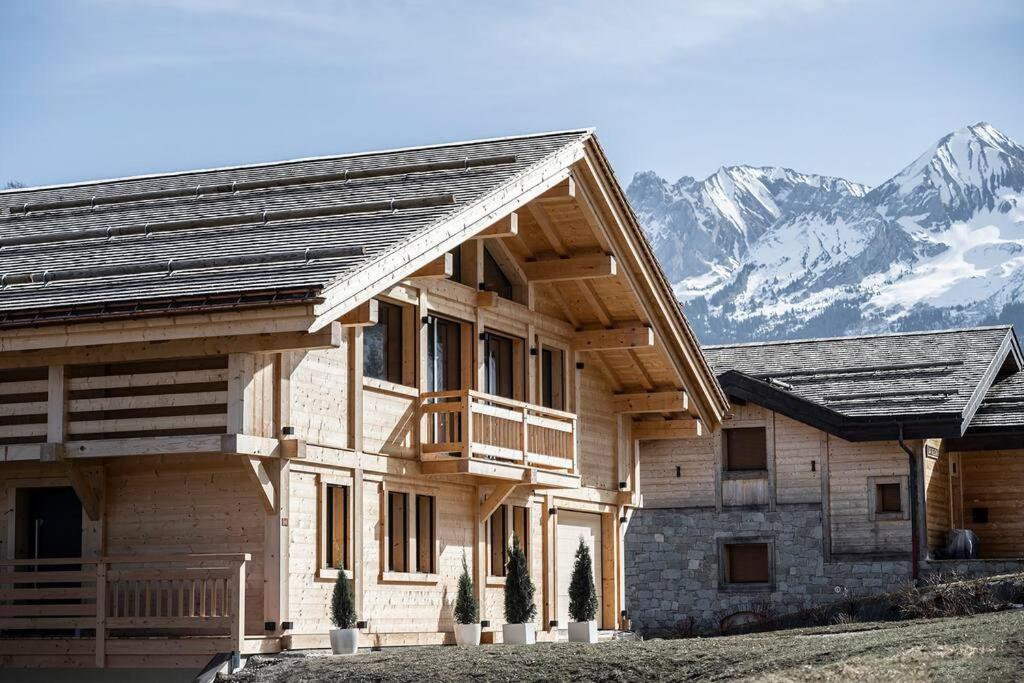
[466, 609]
[343, 604]
[519, 607]
[582, 594]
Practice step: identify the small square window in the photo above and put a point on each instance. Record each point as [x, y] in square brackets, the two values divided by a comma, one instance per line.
[888, 498]
[746, 449]
[979, 515]
[747, 563]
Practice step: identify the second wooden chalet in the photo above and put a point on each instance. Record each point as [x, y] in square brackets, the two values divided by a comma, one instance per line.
[222, 390]
[841, 470]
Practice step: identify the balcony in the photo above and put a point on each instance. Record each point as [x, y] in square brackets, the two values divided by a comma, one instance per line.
[490, 437]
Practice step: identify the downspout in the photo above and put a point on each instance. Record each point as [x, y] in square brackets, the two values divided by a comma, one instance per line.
[912, 489]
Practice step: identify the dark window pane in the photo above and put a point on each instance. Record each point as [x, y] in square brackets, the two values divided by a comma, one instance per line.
[521, 528]
[397, 533]
[552, 379]
[495, 279]
[425, 534]
[456, 264]
[746, 449]
[382, 345]
[498, 366]
[747, 563]
[499, 539]
[444, 354]
[337, 527]
[888, 498]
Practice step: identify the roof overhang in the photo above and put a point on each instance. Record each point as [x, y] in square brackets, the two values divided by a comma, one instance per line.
[883, 428]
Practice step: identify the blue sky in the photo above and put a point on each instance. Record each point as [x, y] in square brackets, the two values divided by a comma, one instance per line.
[101, 88]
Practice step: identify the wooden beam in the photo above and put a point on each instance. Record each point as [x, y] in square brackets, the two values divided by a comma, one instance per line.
[582, 267]
[363, 315]
[652, 402]
[88, 485]
[505, 227]
[440, 268]
[326, 337]
[616, 338]
[497, 497]
[649, 430]
[258, 474]
[563, 190]
[486, 299]
[57, 405]
[549, 231]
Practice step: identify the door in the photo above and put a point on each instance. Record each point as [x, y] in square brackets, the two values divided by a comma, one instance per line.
[48, 523]
[572, 526]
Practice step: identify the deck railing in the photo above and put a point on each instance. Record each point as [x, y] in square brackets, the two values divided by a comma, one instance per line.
[469, 423]
[142, 595]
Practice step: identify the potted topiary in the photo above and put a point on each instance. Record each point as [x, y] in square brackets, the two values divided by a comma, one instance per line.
[582, 598]
[344, 638]
[519, 607]
[467, 617]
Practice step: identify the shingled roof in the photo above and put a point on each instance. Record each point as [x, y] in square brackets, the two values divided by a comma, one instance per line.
[243, 235]
[927, 384]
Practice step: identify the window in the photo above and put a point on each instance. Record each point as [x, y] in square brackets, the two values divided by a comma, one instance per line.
[500, 535]
[552, 375]
[444, 354]
[746, 449]
[425, 534]
[337, 527]
[979, 515]
[888, 498]
[398, 534]
[499, 365]
[411, 533]
[382, 345]
[495, 279]
[499, 539]
[747, 563]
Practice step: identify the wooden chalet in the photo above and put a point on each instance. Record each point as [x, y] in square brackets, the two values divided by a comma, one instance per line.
[840, 469]
[222, 390]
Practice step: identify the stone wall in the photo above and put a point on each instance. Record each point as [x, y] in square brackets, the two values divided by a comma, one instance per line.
[672, 567]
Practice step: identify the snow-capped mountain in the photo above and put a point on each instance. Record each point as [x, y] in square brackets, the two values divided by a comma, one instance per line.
[770, 253]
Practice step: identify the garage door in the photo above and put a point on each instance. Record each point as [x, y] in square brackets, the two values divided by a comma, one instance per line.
[571, 526]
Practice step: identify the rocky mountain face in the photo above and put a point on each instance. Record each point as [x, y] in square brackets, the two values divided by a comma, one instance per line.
[770, 253]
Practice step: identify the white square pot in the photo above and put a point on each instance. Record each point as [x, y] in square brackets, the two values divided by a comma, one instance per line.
[467, 635]
[583, 631]
[518, 634]
[344, 641]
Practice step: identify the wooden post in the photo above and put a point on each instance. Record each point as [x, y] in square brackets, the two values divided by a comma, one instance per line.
[358, 573]
[355, 387]
[101, 613]
[238, 606]
[56, 409]
[549, 559]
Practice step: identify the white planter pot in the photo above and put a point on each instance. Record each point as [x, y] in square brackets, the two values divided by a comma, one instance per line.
[467, 635]
[583, 631]
[344, 641]
[518, 634]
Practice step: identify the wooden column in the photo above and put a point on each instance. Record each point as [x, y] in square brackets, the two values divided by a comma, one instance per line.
[56, 406]
[355, 388]
[358, 573]
[550, 560]
[101, 615]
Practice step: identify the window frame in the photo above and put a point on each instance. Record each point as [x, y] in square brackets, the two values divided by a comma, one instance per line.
[518, 363]
[323, 481]
[412, 493]
[904, 512]
[508, 512]
[407, 347]
[724, 582]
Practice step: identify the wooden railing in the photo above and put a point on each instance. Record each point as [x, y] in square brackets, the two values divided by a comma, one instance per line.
[143, 595]
[469, 423]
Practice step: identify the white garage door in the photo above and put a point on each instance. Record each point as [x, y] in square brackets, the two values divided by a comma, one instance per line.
[572, 525]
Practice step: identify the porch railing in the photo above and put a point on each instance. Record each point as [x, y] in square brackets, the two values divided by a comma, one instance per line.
[469, 423]
[142, 595]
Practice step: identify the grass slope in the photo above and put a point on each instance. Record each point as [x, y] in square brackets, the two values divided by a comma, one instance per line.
[986, 647]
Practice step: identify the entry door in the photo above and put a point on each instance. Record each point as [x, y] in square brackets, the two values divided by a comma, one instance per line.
[571, 526]
[48, 523]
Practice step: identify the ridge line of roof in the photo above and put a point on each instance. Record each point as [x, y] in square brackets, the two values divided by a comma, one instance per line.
[812, 340]
[283, 162]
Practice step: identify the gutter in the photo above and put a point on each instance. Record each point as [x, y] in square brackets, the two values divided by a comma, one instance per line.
[914, 522]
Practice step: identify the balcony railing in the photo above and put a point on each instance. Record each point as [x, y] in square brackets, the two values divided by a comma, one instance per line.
[143, 595]
[471, 424]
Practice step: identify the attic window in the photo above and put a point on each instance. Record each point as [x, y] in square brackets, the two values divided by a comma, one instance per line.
[382, 345]
[495, 279]
[745, 449]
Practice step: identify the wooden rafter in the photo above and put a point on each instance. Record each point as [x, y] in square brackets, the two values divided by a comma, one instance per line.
[563, 304]
[581, 267]
[440, 268]
[651, 402]
[645, 377]
[595, 304]
[505, 227]
[602, 365]
[547, 229]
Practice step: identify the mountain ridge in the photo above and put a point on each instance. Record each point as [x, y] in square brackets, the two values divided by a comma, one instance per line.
[766, 252]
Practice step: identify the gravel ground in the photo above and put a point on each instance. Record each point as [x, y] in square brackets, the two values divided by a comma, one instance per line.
[987, 647]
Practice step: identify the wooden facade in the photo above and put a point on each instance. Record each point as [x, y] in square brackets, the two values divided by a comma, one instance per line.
[232, 465]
